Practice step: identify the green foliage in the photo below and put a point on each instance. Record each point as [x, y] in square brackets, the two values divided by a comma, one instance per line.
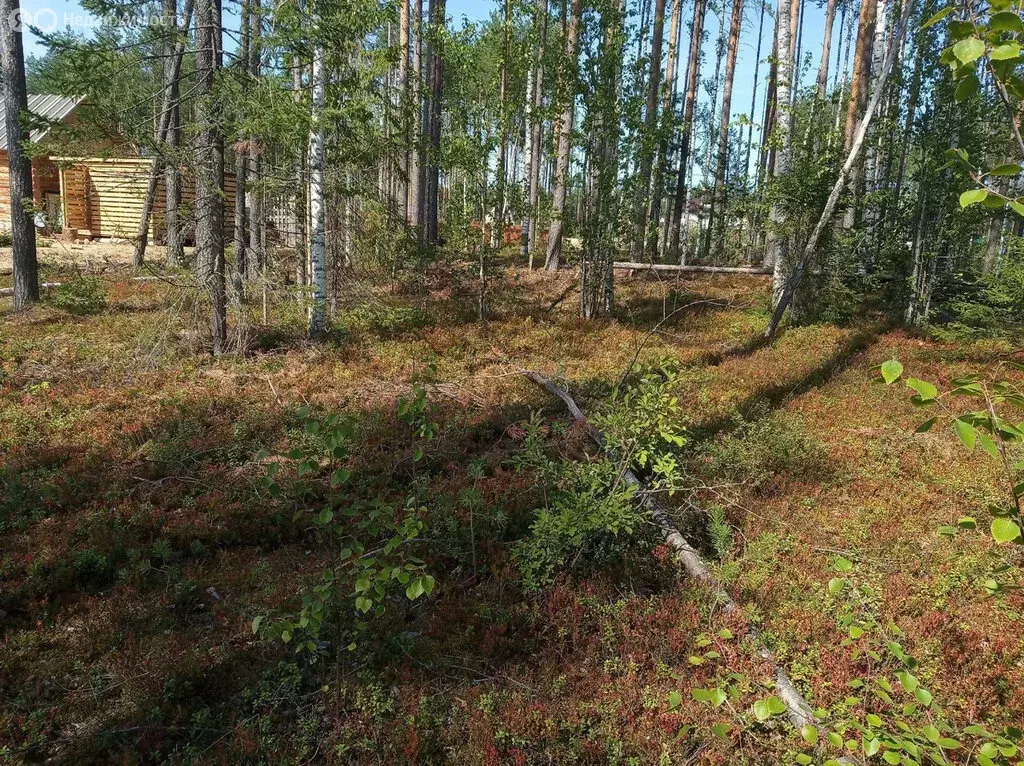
[986, 306]
[987, 429]
[371, 543]
[382, 319]
[83, 296]
[587, 509]
[762, 450]
[644, 424]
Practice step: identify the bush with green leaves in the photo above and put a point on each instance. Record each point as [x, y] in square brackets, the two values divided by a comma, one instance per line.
[587, 509]
[370, 543]
[81, 297]
[987, 428]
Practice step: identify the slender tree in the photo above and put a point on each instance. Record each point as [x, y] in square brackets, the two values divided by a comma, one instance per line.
[175, 244]
[317, 212]
[209, 198]
[717, 231]
[432, 118]
[23, 235]
[648, 139]
[241, 231]
[777, 245]
[563, 143]
[535, 125]
[686, 130]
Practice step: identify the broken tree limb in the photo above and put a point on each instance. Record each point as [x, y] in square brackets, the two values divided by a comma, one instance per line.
[699, 269]
[798, 709]
[785, 288]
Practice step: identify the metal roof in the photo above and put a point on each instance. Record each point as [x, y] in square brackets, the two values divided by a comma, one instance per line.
[47, 107]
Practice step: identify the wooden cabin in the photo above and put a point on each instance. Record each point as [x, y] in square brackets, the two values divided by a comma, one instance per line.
[92, 197]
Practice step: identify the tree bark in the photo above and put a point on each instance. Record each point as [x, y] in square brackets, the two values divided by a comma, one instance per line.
[686, 132]
[257, 257]
[535, 125]
[826, 48]
[241, 230]
[415, 201]
[718, 198]
[649, 140]
[498, 229]
[318, 234]
[175, 245]
[432, 119]
[777, 246]
[167, 113]
[209, 199]
[567, 93]
[23, 234]
[402, 185]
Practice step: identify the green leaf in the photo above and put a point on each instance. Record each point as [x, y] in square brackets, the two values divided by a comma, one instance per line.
[891, 371]
[1005, 52]
[907, 681]
[674, 700]
[1010, 169]
[1005, 530]
[966, 433]
[966, 88]
[414, 589]
[1016, 207]
[364, 604]
[924, 389]
[926, 426]
[761, 712]
[973, 196]
[428, 584]
[891, 756]
[937, 17]
[257, 621]
[835, 585]
[923, 696]
[967, 522]
[809, 733]
[842, 564]
[775, 706]
[968, 50]
[721, 730]
[871, 746]
[1005, 21]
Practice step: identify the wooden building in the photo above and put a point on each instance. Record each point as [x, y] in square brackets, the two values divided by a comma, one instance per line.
[91, 197]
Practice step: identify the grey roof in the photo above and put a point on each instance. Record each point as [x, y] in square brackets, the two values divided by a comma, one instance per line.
[45, 106]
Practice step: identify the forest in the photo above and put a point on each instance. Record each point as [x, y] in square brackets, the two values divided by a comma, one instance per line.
[507, 383]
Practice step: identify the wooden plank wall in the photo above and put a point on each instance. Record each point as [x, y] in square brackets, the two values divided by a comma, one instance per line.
[115, 190]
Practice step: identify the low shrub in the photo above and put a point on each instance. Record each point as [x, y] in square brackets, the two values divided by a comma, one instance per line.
[82, 297]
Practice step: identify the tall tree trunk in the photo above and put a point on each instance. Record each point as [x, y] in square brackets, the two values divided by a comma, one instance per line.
[241, 232]
[402, 184]
[415, 202]
[23, 234]
[163, 129]
[257, 258]
[861, 70]
[301, 189]
[777, 246]
[535, 126]
[567, 94]
[599, 231]
[498, 229]
[435, 58]
[318, 234]
[661, 160]
[649, 140]
[826, 48]
[686, 132]
[718, 198]
[209, 198]
[175, 245]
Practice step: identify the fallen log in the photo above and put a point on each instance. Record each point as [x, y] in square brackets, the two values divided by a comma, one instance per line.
[672, 267]
[798, 709]
[5, 291]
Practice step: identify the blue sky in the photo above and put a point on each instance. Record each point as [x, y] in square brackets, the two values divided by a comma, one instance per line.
[58, 14]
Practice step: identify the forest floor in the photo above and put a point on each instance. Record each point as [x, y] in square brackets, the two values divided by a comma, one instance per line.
[137, 544]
